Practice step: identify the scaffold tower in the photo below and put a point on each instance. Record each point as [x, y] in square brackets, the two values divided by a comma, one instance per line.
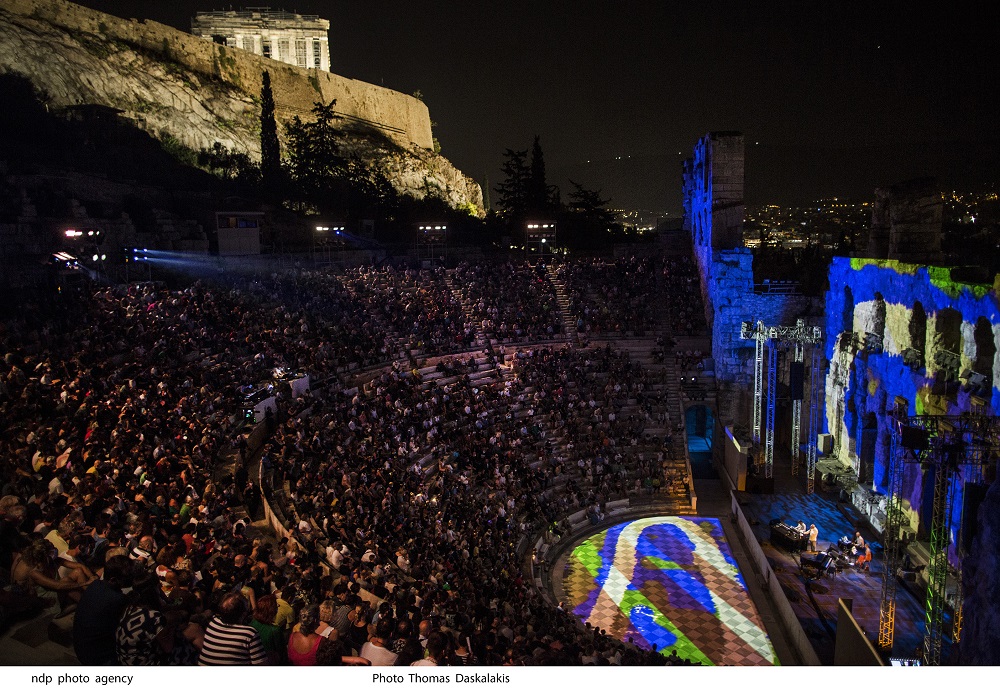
[771, 339]
[959, 450]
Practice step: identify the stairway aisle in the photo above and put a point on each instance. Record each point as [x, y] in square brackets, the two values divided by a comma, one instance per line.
[562, 299]
[481, 340]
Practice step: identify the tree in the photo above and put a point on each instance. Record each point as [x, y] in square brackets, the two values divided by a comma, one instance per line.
[587, 223]
[537, 193]
[270, 149]
[512, 193]
[314, 152]
[329, 178]
[589, 203]
[229, 165]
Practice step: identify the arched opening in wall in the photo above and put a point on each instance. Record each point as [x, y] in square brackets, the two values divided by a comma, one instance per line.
[878, 318]
[914, 355]
[866, 455]
[986, 350]
[947, 344]
[847, 314]
[700, 424]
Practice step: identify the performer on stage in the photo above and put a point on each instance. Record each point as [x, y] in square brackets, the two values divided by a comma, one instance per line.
[813, 536]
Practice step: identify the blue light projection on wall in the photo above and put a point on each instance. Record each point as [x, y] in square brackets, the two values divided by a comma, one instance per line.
[920, 312]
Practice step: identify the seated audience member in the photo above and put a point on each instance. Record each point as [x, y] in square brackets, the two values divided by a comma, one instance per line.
[98, 613]
[229, 639]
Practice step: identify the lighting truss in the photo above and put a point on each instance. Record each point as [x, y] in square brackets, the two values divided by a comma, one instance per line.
[957, 448]
[771, 338]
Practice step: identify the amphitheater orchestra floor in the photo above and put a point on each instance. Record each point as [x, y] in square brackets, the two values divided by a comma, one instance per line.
[670, 582]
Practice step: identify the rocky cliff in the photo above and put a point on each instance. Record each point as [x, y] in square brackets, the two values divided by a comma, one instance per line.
[191, 92]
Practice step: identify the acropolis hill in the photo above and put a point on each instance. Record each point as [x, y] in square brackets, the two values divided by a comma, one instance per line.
[172, 84]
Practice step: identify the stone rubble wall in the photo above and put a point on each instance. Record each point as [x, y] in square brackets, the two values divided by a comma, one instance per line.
[862, 386]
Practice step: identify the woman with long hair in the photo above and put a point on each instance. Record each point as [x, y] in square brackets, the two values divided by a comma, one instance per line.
[38, 565]
[303, 644]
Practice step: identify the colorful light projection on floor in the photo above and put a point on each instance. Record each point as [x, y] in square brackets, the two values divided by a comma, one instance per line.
[671, 582]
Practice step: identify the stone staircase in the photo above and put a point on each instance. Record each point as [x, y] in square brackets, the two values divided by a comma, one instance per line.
[449, 279]
[562, 299]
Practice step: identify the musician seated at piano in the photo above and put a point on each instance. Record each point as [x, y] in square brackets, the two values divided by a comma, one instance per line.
[801, 528]
[859, 542]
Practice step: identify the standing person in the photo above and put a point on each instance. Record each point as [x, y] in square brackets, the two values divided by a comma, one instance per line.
[229, 640]
[813, 537]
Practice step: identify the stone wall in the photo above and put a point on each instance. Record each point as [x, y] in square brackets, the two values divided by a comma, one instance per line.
[713, 203]
[981, 583]
[733, 301]
[713, 214]
[920, 337]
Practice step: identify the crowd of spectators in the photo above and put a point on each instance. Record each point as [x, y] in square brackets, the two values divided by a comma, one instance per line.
[113, 410]
[512, 301]
[422, 489]
[415, 304]
[682, 292]
[414, 489]
[617, 296]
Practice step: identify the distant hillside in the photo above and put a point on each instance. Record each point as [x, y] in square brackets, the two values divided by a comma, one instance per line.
[194, 93]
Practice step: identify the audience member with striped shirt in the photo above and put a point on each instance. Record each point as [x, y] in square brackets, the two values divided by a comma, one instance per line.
[229, 638]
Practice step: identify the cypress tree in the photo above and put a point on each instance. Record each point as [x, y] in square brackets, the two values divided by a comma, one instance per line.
[270, 149]
[538, 189]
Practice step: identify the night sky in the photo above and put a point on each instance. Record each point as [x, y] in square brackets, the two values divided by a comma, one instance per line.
[834, 97]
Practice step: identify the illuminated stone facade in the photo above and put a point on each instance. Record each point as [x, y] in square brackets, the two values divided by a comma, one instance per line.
[295, 39]
[903, 335]
[713, 215]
